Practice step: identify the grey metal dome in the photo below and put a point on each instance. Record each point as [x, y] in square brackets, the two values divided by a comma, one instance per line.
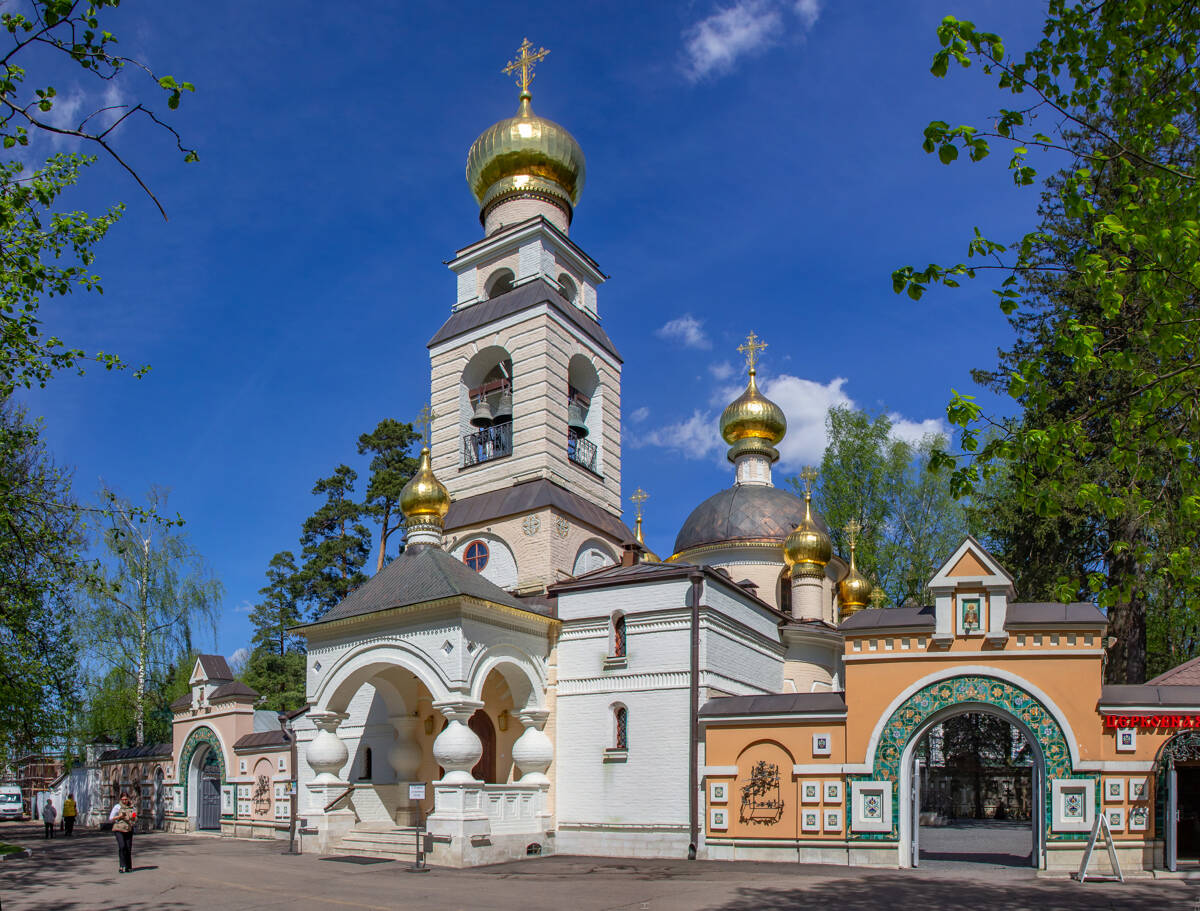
[744, 512]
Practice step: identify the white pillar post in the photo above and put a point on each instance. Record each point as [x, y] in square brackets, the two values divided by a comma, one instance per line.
[533, 752]
[326, 755]
[459, 816]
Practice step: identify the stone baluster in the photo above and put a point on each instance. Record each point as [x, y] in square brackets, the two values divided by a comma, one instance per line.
[533, 752]
[457, 748]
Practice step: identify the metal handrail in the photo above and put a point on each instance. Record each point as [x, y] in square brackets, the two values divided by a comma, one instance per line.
[581, 451]
[486, 444]
[346, 793]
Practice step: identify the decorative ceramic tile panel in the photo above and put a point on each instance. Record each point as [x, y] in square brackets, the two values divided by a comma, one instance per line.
[833, 792]
[1114, 790]
[832, 821]
[810, 820]
[810, 792]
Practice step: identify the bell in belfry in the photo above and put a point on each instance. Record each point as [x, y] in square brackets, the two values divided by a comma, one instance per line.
[575, 415]
[483, 413]
[504, 412]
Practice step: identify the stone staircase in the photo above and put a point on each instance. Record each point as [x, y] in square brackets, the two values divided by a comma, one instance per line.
[370, 804]
[391, 842]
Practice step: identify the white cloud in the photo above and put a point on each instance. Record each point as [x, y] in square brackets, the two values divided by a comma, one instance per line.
[721, 370]
[237, 661]
[805, 403]
[915, 431]
[713, 45]
[808, 11]
[639, 414]
[244, 608]
[687, 330]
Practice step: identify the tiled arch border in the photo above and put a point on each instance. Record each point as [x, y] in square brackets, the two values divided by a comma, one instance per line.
[967, 689]
[199, 736]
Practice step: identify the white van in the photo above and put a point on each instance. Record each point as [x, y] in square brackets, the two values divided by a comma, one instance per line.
[10, 802]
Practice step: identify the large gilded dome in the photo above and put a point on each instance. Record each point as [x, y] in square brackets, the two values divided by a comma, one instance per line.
[753, 423]
[526, 155]
[424, 497]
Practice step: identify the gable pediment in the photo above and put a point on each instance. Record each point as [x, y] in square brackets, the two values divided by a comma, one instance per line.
[972, 566]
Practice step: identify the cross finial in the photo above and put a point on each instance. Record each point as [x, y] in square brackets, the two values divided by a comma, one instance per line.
[525, 64]
[638, 498]
[809, 474]
[878, 597]
[425, 419]
[751, 349]
[853, 529]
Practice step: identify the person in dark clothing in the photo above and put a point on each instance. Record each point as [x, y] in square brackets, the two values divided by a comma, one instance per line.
[49, 816]
[123, 816]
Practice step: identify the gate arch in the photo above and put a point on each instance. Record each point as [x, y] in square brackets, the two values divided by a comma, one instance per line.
[202, 736]
[942, 699]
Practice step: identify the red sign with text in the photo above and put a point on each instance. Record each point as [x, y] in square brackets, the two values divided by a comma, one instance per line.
[1152, 721]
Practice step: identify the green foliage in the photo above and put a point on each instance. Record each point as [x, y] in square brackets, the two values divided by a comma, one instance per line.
[392, 465]
[280, 607]
[336, 543]
[39, 540]
[911, 522]
[1104, 295]
[44, 252]
[147, 599]
[279, 679]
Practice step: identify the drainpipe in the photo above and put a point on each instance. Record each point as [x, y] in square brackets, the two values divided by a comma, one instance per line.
[697, 580]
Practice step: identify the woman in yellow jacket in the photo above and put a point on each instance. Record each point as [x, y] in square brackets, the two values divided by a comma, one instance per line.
[70, 811]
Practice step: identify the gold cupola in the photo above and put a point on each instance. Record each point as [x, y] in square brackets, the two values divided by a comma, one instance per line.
[648, 556]
[854, 591]
[424, 500]
[526, 155]
[808, 550]
[752, 423]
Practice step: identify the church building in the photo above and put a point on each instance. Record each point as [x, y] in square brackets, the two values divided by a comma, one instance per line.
[529, 678]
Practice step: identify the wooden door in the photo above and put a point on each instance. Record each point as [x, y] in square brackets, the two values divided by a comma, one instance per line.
[485, 769]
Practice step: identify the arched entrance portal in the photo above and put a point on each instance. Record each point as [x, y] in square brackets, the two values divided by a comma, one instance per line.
[897, 740]
[204, 762]
[1177, 809]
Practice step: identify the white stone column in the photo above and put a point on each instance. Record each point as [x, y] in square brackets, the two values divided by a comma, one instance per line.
[533, 752]
[326, 755]
[459, 816]
[807, 595]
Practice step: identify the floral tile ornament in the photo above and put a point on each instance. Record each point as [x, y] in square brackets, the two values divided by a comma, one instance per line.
[1139, 789]
[1139, 819]
[1116, 818]
[810, 792]
[1114, 790]
[810, 821]
[832, 821]
[718, 818]
[833, 792]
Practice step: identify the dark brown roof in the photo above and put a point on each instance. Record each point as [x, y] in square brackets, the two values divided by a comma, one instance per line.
[1149, 695]
[1186, 674]
[531, 495]
[744, 512]
[147, 751]
[523, 297]
[889, 618]
[1054, 613]
[215, 667]
[608, 576]
[261, 740]
[233, 690]
[775, 704]
[181, 703]
[418, 576]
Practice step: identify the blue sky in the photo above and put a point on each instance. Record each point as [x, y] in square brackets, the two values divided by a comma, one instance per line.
[752, 164]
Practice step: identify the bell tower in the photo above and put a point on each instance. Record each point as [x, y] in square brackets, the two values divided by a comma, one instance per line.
[526, 384]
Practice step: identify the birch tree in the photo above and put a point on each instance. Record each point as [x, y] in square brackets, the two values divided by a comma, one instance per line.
[149, 598]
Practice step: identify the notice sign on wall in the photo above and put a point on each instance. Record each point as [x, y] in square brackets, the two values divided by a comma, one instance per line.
[1152, 721]
[416, 791]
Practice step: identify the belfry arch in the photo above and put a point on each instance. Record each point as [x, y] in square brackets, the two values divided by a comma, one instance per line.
[940, 700]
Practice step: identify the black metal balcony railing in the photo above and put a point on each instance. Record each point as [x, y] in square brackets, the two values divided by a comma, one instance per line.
[489, 443]
[581, 451]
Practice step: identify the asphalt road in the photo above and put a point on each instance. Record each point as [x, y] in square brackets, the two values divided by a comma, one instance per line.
[216, 874]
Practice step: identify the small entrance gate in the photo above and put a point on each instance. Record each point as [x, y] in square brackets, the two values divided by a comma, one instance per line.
[208, 814]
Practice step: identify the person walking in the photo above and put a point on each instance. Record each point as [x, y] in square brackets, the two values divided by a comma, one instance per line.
[123, 816]
[70, 811]
[49, 815]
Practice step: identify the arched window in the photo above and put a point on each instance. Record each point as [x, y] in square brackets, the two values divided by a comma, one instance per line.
[476, 555]
[366, 768]
[620, 728]
[618, 636]
[500, 282]
[569, 291]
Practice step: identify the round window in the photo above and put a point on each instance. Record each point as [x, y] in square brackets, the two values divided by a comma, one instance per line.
[476, 555]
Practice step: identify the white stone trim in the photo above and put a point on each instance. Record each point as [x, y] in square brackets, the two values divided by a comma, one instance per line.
[988, 653]
[743, 719]
[1058, 819]
[723, 771]
[859, 791]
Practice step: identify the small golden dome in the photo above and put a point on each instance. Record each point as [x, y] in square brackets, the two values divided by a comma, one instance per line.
[526, 155]
[854, 591]
[752, 422]
[648, 556]
[424, 498]
[808, 549]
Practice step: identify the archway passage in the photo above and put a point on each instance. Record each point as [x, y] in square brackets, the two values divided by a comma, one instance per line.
[974, 773]
[208, 810]
[1177, 806]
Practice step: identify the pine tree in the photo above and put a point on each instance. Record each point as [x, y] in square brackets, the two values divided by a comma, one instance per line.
[280, 607]
[391, 467]
[336, 543]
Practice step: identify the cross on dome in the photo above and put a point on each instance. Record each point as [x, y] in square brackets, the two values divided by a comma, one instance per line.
[525, 63]
[809, 474]
[751, 349]
[638, 498]
[425, 419]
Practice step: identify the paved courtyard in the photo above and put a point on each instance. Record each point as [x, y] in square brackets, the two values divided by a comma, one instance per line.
[214, 874]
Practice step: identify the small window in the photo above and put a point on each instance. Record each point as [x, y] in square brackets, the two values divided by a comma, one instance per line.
[621, 717]
[476, 555]
[366, 769]
[500, 282]
[619, 643]
[570, 292]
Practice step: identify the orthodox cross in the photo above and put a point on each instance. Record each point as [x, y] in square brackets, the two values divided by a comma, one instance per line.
[810, 474]
[425, 418]
[525, 63]
[878, 597]
[751, 349]
[853, 529]
[639, 497]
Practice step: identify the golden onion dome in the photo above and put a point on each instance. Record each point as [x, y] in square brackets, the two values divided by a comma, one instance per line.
[526, 155]
[424, 497]
[808, 549]
[752, 422]
[854, 591]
